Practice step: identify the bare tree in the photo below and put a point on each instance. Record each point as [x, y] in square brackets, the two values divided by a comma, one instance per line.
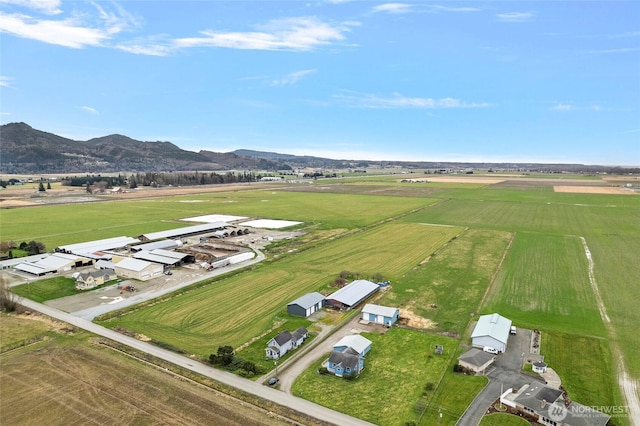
[8, 301]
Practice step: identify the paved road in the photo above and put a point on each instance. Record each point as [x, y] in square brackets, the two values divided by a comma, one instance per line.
[298, 404]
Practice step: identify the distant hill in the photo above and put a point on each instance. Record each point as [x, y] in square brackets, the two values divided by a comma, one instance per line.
[24, 149]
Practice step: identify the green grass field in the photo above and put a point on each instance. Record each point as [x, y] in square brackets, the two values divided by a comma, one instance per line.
[449, 287]
[391, 389]
[377, 225]
[67, 224]
[544, 284]
[234, 310]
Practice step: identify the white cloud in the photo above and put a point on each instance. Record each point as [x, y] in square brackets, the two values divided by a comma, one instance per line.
[299, 34]
[437, 7]
[80, 30]
[89, 110]
[514, 16]
[51, 7]
[64, 32]
[400, 102]
[5, 81]
[562, 107]
[615, 50]
[396, 8]
[292, 78]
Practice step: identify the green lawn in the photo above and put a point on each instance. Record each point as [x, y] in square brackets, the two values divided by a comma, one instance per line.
[50, 288]
[392, 388]
[502, 419]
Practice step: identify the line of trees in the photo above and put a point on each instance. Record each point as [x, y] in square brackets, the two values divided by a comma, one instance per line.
[31, 247]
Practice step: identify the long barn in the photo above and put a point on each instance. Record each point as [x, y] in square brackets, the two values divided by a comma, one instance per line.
[352, 294]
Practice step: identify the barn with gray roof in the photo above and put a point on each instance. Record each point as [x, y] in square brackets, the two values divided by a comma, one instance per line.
[306, 305]
[352, 294]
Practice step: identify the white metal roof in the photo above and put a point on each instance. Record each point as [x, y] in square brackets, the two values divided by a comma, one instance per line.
[133, 264]
[98, 245]
[354, 341]
[32, 268]
[160, 256]
[493, 325]
[308, 300]
[385, 311]
[354, 292]
[163, 244]
[185, 230]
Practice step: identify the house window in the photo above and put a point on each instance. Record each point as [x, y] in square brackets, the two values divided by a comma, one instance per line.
[348, 369]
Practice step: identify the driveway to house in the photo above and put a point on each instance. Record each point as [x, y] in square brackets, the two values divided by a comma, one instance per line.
[322, 345]
[281, 398]
[504, 373]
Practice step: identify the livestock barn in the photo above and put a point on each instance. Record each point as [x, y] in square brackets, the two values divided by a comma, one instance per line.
[352, 294]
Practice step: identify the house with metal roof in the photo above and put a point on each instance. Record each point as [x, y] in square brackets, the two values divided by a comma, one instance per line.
[380, 314]
[491, 330]
[306, 305]
[138, 269]
[352, 294]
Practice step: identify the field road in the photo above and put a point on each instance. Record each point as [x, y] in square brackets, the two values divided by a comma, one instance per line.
[281, 398]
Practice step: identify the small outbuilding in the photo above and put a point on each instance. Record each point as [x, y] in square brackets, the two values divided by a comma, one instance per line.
[539, 367]
[380, 314]
[492, 330]
[476, 360]
[306, 305]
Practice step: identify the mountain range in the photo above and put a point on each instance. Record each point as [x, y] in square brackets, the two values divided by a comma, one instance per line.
[24, 149]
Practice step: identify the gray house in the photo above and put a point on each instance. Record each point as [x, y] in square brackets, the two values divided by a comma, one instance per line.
[284, 342]
[306, 305]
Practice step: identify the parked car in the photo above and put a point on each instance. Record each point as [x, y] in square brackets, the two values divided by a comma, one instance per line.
[490, 350]
[513, 330]
[272, 381]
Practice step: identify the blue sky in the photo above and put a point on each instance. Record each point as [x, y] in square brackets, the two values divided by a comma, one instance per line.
[546, 81]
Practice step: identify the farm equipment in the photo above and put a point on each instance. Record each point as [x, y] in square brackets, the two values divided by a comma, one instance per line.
[127, 288]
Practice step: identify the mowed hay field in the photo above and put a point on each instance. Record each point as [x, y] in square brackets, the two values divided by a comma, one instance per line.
[57, 225]
[68, 380]
[234, 310]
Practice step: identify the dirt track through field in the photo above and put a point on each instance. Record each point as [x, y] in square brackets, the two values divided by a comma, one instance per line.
[628, 385]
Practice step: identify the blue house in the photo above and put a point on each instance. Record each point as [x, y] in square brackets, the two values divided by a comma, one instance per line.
[348, 355]
[380, 314]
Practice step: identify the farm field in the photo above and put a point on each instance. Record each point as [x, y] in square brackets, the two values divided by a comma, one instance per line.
[67, 224]
[227, 313]
[544, 284]
[68, 379]
[399, 366]
[543, 281]
[448, 288]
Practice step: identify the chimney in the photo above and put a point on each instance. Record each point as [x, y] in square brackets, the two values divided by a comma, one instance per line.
[543, 403]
